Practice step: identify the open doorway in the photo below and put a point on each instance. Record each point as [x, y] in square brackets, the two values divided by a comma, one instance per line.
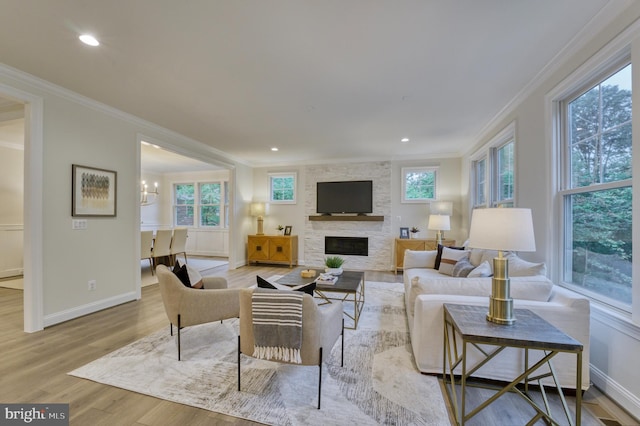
[183, 192]
[12, 134]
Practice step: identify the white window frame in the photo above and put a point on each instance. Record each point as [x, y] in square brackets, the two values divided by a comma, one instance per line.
[489, 153]
[420, 169]
[293, 175]
[591, 73]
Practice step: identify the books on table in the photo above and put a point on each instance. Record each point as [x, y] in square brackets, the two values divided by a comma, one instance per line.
[326, 279]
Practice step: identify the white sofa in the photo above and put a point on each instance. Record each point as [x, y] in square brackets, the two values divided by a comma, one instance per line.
[427, 289]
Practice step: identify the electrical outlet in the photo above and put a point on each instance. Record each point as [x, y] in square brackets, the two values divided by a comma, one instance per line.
[79, 224]
[92, 285]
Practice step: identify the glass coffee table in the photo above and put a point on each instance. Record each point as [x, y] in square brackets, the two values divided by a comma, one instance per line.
[349, 289]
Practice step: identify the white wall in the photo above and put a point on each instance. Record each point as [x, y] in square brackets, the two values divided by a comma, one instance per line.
[11, 211]
[76, 130]
[615, 339]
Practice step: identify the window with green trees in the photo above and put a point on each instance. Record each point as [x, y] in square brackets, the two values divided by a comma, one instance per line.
[419, 184]
[282, 188]
[596, 189]
[203, 201]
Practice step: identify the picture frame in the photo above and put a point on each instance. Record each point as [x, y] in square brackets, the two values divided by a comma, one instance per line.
[93, 192]
[404, 233]
[287, 230]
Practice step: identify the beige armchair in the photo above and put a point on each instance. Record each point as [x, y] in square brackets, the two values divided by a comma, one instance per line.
[188, 306]
[321, 327]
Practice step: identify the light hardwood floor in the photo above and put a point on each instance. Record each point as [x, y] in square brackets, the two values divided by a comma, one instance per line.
[33, 367]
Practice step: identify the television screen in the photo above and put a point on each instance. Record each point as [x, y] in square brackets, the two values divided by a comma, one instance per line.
[345, 197]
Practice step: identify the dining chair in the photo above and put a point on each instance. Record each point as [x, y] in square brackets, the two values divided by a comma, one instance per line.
[179, 244]
[162, 245]
[146, 247]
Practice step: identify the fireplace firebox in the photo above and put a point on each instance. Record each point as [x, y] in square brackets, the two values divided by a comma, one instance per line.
[354, 246]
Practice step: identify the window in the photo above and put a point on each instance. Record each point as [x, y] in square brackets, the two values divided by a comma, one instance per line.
[419, 184]
[203, 200]
[595, 187]
[282, 188]
[480, 180]
[493, 171]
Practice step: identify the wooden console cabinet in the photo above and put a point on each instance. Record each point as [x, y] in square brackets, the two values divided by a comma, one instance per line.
[403, 244]
[273, 249]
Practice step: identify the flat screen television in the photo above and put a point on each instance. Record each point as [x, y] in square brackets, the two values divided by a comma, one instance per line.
[355, 196]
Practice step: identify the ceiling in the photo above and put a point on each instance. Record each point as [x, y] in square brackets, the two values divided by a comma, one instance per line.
[325, 80]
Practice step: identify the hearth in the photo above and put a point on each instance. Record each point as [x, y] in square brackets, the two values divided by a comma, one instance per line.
[353, 246]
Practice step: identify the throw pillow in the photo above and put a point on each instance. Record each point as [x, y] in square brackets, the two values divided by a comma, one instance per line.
[305, 288]
[182, 274]
[194, 277]
[462, 268]
[450, 257]
[439, 255]
[482, 270]
[521, 268]
[419, 259]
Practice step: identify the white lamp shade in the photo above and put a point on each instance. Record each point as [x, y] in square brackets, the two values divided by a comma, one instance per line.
[441, 207]
[439, 222]
[502, 229]
[259, 209]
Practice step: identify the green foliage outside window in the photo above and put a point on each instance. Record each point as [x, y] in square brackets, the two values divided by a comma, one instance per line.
[210, 196]
[420, 185]
[282, 188]
[600, 219]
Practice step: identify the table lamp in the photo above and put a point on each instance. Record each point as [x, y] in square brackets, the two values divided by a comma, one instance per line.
[260, 210]
[501, 229]
[441, 207]
[439, 223]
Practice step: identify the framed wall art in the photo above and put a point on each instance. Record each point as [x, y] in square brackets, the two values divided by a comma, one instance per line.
[93, 192]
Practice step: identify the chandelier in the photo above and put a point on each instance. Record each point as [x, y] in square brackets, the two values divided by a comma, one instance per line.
[145, 192]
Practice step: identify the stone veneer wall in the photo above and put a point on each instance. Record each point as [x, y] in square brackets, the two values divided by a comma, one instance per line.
[380, 241]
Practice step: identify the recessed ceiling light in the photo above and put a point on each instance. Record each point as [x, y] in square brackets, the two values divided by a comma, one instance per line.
[404, 140]
[274, 149]
[89, 40]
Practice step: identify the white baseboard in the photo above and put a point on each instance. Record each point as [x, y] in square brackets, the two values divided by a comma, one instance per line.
[89, 308]
[615, 392]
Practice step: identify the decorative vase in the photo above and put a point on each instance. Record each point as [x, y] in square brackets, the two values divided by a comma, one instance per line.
[333, 271]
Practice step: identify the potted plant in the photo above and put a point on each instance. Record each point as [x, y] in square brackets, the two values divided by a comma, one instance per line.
[280, 229]
[414, 231]
[333, 265]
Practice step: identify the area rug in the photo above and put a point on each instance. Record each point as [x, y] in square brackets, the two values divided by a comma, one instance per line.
[379, 383]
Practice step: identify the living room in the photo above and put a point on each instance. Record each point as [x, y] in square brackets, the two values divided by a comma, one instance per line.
[67, 128]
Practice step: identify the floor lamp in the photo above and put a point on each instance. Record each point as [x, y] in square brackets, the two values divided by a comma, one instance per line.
[501, 229]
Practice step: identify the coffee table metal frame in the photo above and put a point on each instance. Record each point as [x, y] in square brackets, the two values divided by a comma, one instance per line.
[530, 332]
[350, 287]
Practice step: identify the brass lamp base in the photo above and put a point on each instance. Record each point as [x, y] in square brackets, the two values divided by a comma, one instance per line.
[260, 226]
[500, 302]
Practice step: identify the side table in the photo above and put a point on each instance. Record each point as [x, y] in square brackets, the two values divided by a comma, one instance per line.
[530, 332]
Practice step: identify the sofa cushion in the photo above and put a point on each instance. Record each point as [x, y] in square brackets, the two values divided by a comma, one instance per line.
[439, 255]
[426, 281]
[521, 268]
[462, 268]
[449, 259]
[419, 259]
[482, 270]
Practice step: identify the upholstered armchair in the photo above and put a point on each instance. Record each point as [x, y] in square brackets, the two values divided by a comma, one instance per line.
[321, 327]
[189, 306]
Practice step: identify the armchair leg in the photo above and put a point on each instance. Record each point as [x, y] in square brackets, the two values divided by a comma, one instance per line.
[319, 377]
[342, 349]
[178, 337]
[238, 363]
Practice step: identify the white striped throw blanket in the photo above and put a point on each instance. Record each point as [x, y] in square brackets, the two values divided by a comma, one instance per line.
[277, 324]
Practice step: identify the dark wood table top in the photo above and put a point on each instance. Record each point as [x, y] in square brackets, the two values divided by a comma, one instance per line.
[348, 281]
[529, 330]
